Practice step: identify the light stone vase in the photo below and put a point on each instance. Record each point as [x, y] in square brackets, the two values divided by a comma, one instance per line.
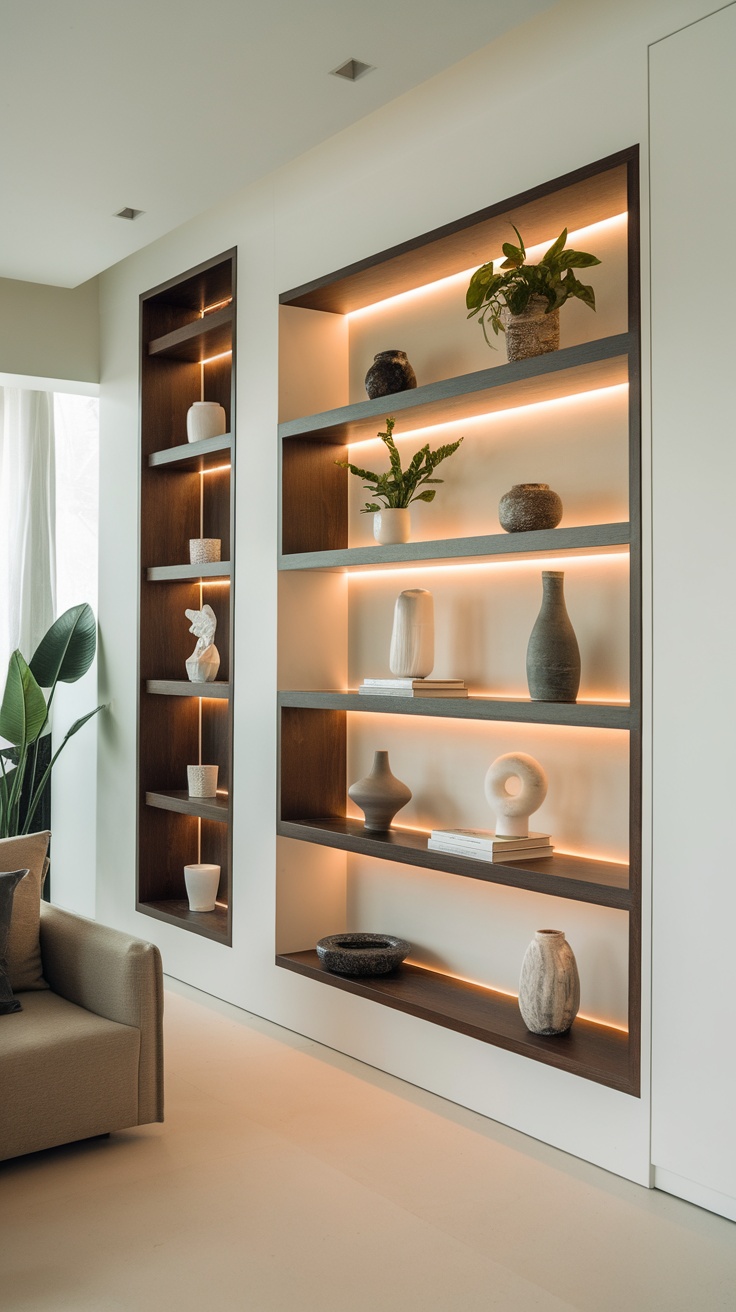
[202, 883]
[549, 988]
[391, 526]
[202, 780]
[205, 419]
[412, 637]
[533, 332]
[513, 810]
[204, 551]
[553, 655]
[380, 795]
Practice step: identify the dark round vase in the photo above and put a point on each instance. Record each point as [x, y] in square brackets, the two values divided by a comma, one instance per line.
[553, 655]
[390, 372]
[529, 506]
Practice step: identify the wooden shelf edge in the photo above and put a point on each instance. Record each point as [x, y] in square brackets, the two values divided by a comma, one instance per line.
[217, 569]
[583, 715]
[579, 540]
[191, 453]
[568, 358]
[213, 925]
[207, 808]
[183, 688]
[585, 880]
[196, 331]
[590, 1050]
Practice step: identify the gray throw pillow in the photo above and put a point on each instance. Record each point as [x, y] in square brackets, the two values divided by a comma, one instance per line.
[8, 884]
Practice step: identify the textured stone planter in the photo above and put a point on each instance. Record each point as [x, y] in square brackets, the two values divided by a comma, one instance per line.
[549, 988]
[533, 332]
[528, 507]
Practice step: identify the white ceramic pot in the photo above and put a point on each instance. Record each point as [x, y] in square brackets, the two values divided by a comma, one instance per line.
[205, 419]
[391, 526]
[202, 780]
[202, 882]
[203, 551]
[412, 637]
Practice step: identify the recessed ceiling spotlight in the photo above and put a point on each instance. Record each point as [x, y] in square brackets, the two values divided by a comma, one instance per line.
[128, 213]
[352, 69]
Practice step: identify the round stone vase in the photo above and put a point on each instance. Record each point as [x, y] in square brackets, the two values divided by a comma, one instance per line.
[529, 506]
[412, 637]
[380, 795]
[390, 372]
[205, 419]
[553, 655]
[533, 332]
[391, 526]
[549, 988]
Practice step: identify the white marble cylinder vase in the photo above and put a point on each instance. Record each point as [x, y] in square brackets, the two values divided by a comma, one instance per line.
[549, 988]
[205, 419]
[412, 638]
[202, 883]
[202, 780]
[513, 809]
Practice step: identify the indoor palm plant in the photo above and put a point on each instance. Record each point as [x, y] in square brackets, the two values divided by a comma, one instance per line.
[65, 653]
[524, 300]
[394, 491]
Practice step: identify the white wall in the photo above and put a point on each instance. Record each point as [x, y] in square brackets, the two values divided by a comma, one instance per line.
[694, 463]
[49, 332]
[572, 86]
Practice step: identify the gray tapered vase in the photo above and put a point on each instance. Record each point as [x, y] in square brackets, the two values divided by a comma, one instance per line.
[549, 988]
[380, 795]
[553, 655]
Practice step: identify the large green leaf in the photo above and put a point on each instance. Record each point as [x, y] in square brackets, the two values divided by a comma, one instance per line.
[23, 710]
[68, 648]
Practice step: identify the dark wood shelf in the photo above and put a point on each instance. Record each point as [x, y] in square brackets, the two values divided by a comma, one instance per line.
[184, 688]
[218, 569]
[584, 715]
[574, 369]
[586, 539]
[193, 456]
[197, 340]
[175, 911]
[207, 808]
[590, 1050]
[584, 880]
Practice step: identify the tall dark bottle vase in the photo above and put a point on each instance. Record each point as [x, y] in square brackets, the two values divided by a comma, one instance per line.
[553, 655]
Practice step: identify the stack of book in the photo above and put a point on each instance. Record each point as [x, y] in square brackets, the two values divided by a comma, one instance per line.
[413, 688]
[484, 845]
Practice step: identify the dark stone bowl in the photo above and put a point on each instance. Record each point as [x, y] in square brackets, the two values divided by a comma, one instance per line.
[362, 954]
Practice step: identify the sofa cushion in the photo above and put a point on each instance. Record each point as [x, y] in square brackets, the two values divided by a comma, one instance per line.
[9, 881]
[24, 952]
[66, 1074]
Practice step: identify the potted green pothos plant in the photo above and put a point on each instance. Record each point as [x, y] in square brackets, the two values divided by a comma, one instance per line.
[394, 491]
[523, 300]
[64, 654]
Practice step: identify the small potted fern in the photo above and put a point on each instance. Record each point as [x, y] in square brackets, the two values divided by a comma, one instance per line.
[523, 300]
[394, 491]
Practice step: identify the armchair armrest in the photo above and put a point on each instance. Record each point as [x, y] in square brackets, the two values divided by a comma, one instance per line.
[115, 976]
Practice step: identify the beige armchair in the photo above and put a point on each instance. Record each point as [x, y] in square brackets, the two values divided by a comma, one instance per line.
[85, 1056]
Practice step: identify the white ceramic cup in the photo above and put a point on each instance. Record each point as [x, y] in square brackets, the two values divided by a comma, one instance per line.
[204, 550]
[202, 780]
[205, 419]
[202, 882]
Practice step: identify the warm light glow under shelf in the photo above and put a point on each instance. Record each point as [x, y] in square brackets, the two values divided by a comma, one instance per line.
[575, 239]
[597, 558]
[211, 358]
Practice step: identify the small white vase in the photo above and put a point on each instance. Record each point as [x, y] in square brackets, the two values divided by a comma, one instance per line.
[412, 637]
[202, 882]
[549, 988]
[391, 526]
[202, 780]
[205, 419]
[203, 551]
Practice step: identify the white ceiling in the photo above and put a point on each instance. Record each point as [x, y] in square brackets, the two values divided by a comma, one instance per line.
[169, 105]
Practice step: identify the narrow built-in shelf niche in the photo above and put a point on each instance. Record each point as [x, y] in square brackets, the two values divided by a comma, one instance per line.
[187, 334]
[570, 418]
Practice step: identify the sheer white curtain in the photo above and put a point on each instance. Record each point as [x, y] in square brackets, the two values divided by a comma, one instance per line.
[27, 521]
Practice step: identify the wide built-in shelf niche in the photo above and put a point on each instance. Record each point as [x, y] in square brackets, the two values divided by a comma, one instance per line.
[569, 419]
[187, 491]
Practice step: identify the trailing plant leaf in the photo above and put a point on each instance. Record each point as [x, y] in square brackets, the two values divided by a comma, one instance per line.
[397, 488]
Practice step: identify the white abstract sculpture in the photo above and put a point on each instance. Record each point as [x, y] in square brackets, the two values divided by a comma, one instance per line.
[412, 638]
[513, 809]
[204, 661]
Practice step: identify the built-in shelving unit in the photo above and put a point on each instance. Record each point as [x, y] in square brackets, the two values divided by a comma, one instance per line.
[315, 724]
[187, 491]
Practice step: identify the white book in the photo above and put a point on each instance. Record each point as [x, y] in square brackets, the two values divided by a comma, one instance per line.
[501, 857]
[412, 692]
[413, 683]
[485, 838]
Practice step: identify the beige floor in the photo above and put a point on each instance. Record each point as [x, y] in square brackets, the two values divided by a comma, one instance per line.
[290, 1177]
